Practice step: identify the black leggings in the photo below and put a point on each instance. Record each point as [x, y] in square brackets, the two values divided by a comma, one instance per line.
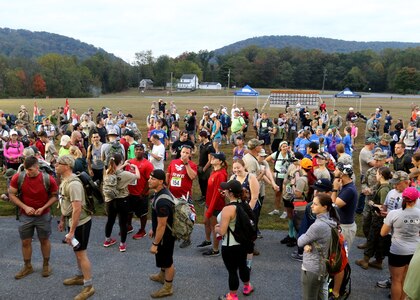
[121, 208]
[234, 258]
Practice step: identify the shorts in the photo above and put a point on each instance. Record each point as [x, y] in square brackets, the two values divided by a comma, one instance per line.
[266, 139]
[397, 261]
[279, 182]
[191, 132]
[81, 234]
[139, 204]
[164, 256]
[215, 212]
[217, 139]
[29, 223]
[98, 174]
[288, 203]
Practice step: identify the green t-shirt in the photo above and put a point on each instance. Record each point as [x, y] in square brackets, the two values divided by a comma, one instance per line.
[237, 124]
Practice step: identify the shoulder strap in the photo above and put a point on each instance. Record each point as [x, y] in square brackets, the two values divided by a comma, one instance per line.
[21, 178]
[46, 181]
[163, 196]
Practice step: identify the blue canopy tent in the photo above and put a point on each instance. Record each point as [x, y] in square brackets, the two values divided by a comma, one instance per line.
[246, 91]
[347, 93]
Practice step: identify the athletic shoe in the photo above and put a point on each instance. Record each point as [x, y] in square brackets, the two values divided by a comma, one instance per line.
[274, 212]
[283, 215]
[292, 242]
[130, 229]
[248, 289]
[297, 256]
[123, 247]
[384, 284]
[229, 296]
[109, 243]
[211, 252]
[259, 234]
[185, 244]
[285, 240]
[204, 244]
[139, 235]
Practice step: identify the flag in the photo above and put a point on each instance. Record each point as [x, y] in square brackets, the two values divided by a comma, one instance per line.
[36, 111]
[67, 109]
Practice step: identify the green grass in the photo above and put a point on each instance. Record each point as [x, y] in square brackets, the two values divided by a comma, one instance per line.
[139, 107]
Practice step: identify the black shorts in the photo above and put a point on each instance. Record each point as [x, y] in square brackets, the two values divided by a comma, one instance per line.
[215, 212]
[397, 261]
[98, 174]
[279, 182]
[139, 205]
[164, 256]
[82, 235]
[288, 203]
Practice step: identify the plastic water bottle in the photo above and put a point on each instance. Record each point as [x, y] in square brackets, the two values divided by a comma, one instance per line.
[74, 242]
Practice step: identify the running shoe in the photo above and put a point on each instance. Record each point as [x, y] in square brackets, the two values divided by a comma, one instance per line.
[185, 244]
[297, 256]
[384, 284]
[130, 229]
[274, 212]
[211, 252]
[123, 247]
[109, 243]
[248, 289]
[283, 215]
[285, 240]
[139, 235]
[204, 244]
[229, 296]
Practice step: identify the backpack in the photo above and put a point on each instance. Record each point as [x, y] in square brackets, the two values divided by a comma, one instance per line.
[115, 147]
[345, 288]
[92, 191]
[245, 232]
[182, 226]
[285, 162]
[109, 187]
[336, 259]
[332, 146]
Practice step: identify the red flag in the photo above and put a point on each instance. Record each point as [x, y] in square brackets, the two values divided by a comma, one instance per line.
[36, 112]
[67, 109]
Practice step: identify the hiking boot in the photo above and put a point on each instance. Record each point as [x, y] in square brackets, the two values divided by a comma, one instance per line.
[285, 240]
[274, 212]
[364, 262]
[204, 244]
[229, 296]
[85, 293]
[75, 280]
[376, 264]
[384, 284]
[26, 270]
[248, 289]
[139, 235]
[185, 244]
[166, 290]
[297, 256]
[211, 252]
[109, 243]
[362, 246]
[123, 247]
[292, 242]
[46, 271]
[159, 277]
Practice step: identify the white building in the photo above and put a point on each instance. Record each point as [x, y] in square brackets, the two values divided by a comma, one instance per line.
[188, 82]
[210, 86]
[145, 84]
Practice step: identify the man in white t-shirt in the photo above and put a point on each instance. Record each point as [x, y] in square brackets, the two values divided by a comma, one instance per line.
[156, 156]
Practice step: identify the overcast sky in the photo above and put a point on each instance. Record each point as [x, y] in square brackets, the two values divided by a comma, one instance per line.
[125, 27]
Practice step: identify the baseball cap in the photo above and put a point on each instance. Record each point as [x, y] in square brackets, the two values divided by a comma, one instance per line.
[12, 132]
[158, 174]
[410, 194]
[399, 176]
[236, 110]
[412, 124]
[233, 186]
[64, 140]
[379, 156]
[213, 115]
[112, 132]
[345, 168]
[370, 141]
[205, 107]
[386, 137]
[262, 153]
[219, 155]
[321, 156]
[9, 173]
[254, 143]
[130, 133]
[323, 185]
[66, 160]
[306, 163]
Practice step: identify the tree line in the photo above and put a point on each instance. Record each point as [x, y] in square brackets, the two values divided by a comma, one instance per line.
[54, 75]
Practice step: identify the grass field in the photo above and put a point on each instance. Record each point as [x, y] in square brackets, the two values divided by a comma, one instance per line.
[139, 106]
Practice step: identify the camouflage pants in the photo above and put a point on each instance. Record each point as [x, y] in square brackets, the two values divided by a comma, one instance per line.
[376, 244]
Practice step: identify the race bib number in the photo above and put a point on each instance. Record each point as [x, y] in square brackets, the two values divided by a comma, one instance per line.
[176, 181]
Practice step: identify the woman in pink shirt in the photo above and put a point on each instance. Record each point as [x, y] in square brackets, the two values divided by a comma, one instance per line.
[13, 151]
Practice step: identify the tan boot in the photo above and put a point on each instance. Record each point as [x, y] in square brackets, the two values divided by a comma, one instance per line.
[85, 293]
[166, 290]
[159, 277]
[75, 280]
[364, 263]
[46, 271]
[26, 270]
[376, 264]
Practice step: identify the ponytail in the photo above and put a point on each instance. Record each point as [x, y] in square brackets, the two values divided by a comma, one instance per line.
[326, 200]
[114, 161]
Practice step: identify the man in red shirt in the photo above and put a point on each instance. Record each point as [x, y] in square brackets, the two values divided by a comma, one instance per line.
[139, 191]
[34, 201]
[179, 177]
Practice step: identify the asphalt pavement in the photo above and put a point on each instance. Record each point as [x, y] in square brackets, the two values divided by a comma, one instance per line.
[126, 275]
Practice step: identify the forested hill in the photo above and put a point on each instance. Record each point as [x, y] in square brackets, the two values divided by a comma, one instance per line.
[28, 44]
[303, 42]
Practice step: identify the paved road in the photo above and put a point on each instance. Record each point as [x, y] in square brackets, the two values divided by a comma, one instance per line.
[125, 275]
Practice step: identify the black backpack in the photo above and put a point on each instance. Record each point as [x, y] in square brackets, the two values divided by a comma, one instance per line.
[92, 191]
[245, 232]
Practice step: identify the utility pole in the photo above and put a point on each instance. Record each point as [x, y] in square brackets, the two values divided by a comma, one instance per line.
[323, 80]
[228, 84]
[171, 82]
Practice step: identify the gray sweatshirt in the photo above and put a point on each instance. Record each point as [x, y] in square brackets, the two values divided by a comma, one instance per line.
[320, 232]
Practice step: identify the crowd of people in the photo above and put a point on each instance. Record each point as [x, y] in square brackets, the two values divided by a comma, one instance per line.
[305, 156]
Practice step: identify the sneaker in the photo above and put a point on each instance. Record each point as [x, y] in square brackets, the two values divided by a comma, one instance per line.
[285, 240]
[46, 271]
[109, 243]
[26, 270]
[75, 280]
[259, 234]
[297, 256]
[185, 244]
[211, 252]
[248, 289]
[384, 284]
[204, 244]
[130, 229]
[274, 212]
[139, 235]
[292, 242]
[123, 247]
[283, 215]
[85, 293]
[229, 296]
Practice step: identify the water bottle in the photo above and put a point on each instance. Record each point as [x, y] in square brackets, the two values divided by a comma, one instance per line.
[74, 242]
